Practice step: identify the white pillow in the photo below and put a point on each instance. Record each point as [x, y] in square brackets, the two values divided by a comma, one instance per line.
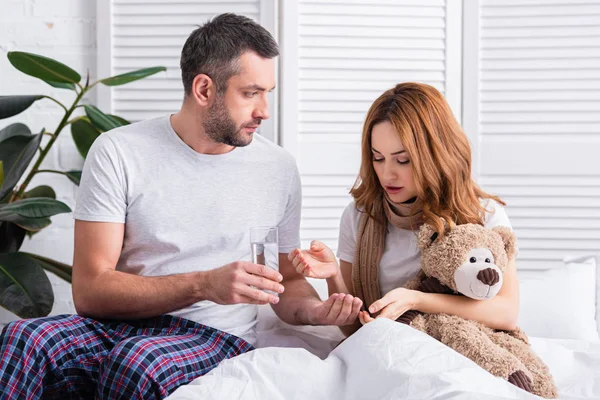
[559, 302]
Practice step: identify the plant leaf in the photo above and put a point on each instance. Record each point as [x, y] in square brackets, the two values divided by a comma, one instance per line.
[84, 135]
[32, 224]
[17, 152]
[25, 289]
[13, 105]
[131, 76]
[42, 67]
[122, 121]
[40, 191]
[63, 271]
[11, 237]
[74, 176]
[38, 207]
[32, 214]
[60, 85]
[101, 121]
[17, 129]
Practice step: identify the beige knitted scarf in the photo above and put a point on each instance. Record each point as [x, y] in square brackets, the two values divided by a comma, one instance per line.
[370, 243]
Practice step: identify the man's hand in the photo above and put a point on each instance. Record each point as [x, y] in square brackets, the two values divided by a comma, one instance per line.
[316, 262]
[243, 282]
[340, 309]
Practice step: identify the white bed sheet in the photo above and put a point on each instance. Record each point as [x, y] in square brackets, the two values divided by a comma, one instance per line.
[383, 360]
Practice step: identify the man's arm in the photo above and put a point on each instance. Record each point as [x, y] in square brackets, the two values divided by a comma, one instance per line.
[343, 282]
[300, 304]
[100, 291]
[299, 295]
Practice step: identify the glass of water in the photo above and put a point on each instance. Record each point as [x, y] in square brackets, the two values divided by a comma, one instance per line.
[265, 247]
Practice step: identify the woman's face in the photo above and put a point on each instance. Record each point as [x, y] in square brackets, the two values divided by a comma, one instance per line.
[391, 163]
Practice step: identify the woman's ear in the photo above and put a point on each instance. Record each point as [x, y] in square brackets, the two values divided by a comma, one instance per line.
[509, 239]
[427, 235]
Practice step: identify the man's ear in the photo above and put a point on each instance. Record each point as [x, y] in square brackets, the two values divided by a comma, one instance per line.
[509, 239]
[427, 235]
[203, 88]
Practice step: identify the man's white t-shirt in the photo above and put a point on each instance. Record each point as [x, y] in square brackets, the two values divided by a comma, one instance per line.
[184, 211]
[401, 259]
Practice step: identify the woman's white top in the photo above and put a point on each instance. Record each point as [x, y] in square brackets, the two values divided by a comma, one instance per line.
[401, 256]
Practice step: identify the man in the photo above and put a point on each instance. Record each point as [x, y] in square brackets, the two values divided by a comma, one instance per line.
[160, 278]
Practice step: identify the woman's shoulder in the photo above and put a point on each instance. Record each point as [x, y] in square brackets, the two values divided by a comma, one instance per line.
[351, 211]
[495, 214]
[351, 214]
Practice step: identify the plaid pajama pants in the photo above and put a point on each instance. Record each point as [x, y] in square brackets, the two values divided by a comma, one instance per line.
[72, 357]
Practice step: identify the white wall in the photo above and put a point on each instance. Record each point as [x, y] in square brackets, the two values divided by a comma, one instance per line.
[66, 31]
[533, 88]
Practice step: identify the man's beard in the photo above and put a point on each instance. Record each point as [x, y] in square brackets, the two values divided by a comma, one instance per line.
[220, 127]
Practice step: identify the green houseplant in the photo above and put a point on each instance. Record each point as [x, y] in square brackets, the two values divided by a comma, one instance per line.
[24, 287]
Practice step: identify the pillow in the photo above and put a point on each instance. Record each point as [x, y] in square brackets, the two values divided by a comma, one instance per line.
[560, 302]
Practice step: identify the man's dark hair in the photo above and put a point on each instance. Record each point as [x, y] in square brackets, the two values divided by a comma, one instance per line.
[215, 47]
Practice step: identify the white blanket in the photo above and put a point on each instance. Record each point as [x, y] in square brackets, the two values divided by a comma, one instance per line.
[383, 360]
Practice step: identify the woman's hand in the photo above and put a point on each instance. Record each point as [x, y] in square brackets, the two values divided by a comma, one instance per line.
[364, 317]
[392, 305]
[317, 262]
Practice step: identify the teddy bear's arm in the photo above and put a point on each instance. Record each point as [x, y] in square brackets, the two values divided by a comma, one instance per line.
[415, 283]
[427, 284]
[433, 285]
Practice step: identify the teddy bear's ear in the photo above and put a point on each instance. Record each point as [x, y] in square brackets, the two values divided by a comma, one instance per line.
[427, 235]
[509, 239]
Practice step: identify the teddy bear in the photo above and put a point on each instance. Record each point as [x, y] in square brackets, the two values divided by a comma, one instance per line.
[469, 260]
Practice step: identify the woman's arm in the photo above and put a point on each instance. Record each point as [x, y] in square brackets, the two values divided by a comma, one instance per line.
[500, 312]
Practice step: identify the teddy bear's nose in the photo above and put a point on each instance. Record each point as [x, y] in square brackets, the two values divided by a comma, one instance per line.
[489, 276]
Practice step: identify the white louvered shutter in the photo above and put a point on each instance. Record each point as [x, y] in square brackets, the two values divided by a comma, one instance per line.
[539, 122]
[348, 53]
[143, 33]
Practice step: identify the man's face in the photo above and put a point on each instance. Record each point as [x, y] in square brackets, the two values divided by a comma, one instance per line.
[234, 117]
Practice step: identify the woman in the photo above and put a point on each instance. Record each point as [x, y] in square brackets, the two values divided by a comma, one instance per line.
[416, 167]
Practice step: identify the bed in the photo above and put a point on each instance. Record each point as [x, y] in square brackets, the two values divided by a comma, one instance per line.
[388, 360]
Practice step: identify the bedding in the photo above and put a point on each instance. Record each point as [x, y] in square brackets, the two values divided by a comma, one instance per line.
[383, 360]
